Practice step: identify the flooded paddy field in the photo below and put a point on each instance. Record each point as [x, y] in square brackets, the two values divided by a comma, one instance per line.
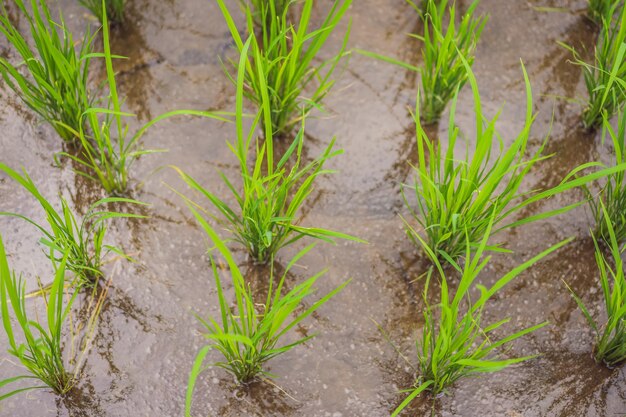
[147, 336]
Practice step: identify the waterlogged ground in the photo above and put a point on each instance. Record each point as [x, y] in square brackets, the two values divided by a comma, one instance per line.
[147, 337]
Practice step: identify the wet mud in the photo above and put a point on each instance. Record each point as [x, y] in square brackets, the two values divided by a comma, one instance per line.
[147, 337]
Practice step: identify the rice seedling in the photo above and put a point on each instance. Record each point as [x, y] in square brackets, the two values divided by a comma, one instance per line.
[286, 56]
[114, 9]
[601, 10]
[82, 240]
[108, 151]
[443, 72]
[611, 199]
[454, 343]
[610, 338]
[605, 79]
[456, 198]
[52, 77]
[444, 51]
[41, 351]
[267, 214]
[248, 338]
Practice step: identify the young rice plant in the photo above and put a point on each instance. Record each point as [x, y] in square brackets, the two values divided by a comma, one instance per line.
[248, 338]
[41, 353]
[611, 200]
[108, 152]
[605, 79]
[445, 49]
[285, 55]
[455, 343]
[456, 198]
[444, 72]
[267, 214]
[52, 76]
[610, 340]
[38, 345]
[81, 240]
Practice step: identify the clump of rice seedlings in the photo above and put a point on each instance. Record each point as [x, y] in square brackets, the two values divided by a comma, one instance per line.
[605, 79]
[455, 343]
[114, 9]
[286, 56]
[108, 151]
[611, 200]
[457, 197]
[41, 353]
[601, 10]
[443, 71]
[249, 334]
[52, 76]
[38, 345]
[445, 49]
[610, 338]
[266, 217]
[82, 240]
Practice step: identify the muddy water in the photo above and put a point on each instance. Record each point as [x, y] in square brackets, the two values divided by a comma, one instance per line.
[147, 337]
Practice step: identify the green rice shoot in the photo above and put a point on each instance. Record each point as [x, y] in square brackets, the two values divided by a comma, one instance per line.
[108, 151]
[445, 50]
[610, 337]
[287, 56]
[250, 334]
[457, 197]
[454, 343]
[38, 342]
[53, 74]
[610, 201]
[266, 216]
[82, 240]
[605, 78]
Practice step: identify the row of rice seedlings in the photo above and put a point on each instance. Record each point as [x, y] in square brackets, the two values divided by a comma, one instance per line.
[267, 214]
[601, 10]
[605, 78]
[81, 240]
[52, 77]
[286, 55]
[247, 339]
[610, 338]
[456, 198]
[610, 200]
[445, 48]
[108, 151]
[455, 344]
[114, 9]
[39, 346]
